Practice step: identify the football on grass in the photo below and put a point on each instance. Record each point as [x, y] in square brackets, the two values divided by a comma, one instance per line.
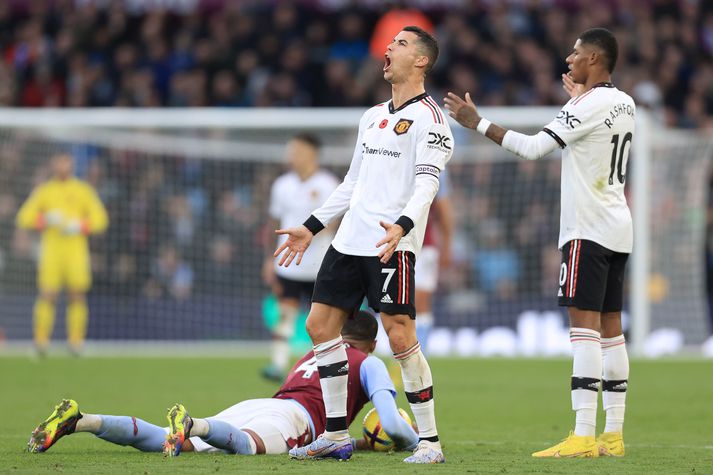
[375, 435]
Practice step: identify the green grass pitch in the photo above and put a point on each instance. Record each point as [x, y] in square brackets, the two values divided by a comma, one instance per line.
[491, 415]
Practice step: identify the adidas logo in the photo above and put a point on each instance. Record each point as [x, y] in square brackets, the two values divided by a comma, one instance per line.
[386, 299]
[594, 386]
[344, 369]
[620, 386]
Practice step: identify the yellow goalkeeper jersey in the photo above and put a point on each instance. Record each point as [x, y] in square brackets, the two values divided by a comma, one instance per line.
[65, 211]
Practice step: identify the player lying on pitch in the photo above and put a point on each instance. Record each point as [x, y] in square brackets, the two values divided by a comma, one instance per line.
[291, 418]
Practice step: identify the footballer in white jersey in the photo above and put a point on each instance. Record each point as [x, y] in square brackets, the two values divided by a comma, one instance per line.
[293, 197]
[402, 147]
[292, 200]
[595, 129]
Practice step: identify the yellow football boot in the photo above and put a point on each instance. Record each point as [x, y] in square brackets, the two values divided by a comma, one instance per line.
[574, 446]
[180, 424]
[611, 444]
[61, 422]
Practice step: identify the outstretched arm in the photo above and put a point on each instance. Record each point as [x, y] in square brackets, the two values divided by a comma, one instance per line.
[400, 431]
[377, 384]
[530, 147]
[298, 240]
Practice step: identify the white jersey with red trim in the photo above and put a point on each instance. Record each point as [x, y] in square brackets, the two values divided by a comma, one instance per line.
[595, 130]
[292, 200]
[394, 171]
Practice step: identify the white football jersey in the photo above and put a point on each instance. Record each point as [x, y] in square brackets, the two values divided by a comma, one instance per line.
[394, 171]
[595, 130]
[291, 202]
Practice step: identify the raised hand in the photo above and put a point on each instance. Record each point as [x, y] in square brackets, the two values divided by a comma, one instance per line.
[298, 240]
[463, 111]
[394, 233]
[570, 87]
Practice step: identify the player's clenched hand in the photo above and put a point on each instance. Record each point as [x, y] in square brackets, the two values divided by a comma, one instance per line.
[570, 87]
[298, 240]
[394, 233]
[463, 111]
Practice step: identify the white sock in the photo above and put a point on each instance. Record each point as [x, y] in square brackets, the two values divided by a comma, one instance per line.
[615, 363]
[281, 336]
[586, 378]
[333, 377]
[200, 428]
[89, 423]
[418, 385]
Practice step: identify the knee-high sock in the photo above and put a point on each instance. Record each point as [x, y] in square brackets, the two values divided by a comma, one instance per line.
[77, 316]
[225, 436]
[124, 430]
[615, 362]
[43, 319]
[424, 323]
[333, 369]
[418, 385]
[586, 378]
[281, 337]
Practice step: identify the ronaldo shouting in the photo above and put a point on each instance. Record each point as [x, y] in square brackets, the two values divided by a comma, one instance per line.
[595, 129]
[402, 147]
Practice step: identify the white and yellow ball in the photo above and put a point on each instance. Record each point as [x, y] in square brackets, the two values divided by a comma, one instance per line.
[374, 434]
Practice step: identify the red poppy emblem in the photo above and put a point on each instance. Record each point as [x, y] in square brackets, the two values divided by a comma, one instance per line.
[383, 123]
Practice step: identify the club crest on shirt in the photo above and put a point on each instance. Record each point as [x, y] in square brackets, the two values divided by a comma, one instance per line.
[402, 126]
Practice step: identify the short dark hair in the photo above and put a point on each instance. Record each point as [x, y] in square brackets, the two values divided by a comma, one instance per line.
[361, 327]
[429, 45]
[604, 40]
[309, 139]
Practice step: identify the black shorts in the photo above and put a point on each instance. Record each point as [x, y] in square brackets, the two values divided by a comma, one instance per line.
[591, 277]
[343, 281]
[295, 289]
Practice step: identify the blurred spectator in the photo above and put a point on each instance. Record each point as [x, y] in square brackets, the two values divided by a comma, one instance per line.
[297, 54]
[496, 264]
[170, 276]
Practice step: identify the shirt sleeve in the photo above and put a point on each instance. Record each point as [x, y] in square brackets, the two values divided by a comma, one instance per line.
[403, 435]
[338, 202]
[96, 218]
[578, 118]
[434, 149]
[374, 377]
[30, 214]
[378, 386]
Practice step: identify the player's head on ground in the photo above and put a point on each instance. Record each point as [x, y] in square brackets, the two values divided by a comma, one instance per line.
[413, 51]
[360, 331]
[62, 165]
[302, 153]
[595, 53]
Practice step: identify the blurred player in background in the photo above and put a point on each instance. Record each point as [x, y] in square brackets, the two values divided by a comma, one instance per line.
[65, 210]
[596, 129]
[293, 197]
[291, 418]
[401, 149]
[435, 255]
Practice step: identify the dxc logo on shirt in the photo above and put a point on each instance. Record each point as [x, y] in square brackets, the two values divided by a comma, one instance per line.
[439, 140]
[568, 119]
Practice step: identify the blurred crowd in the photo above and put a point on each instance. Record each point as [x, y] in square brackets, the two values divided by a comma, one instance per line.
[328, 53]
[182, 228]
[189, 228]
[178, 228]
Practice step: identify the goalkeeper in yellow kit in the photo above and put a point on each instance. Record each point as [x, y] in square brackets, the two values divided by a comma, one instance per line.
[65, 210]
